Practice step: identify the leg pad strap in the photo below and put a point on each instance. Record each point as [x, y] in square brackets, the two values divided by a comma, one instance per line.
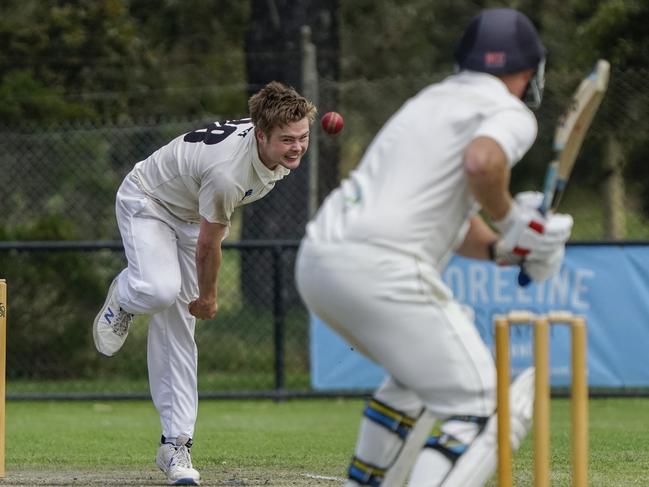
[365, 473]
[447, 444]
[392, 419]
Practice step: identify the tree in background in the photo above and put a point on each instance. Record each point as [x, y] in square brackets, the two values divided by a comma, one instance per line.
[411, 46]
[62, 60]
[119, 60]
[198, 52]
[618, 30]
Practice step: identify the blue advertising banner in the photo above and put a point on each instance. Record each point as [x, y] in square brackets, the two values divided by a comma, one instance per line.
[608, 284]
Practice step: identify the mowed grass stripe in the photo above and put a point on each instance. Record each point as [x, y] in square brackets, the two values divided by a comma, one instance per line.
[283, 443]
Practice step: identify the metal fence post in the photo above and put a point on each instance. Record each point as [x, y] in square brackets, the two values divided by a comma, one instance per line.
[279, 315]
[310, 90]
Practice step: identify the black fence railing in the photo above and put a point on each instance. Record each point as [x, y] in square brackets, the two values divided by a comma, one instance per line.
[277, 248]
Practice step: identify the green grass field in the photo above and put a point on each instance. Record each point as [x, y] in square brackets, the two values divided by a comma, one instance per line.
[298, 442]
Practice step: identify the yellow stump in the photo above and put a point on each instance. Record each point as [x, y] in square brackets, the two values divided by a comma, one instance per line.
[3, 372]
[502, 398]
[579, 395]
[541, 402]
[579, 405]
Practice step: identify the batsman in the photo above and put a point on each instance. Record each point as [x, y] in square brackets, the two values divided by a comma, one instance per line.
[370, 264]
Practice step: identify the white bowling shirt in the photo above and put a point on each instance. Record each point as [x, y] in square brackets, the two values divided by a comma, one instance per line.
[208, 173]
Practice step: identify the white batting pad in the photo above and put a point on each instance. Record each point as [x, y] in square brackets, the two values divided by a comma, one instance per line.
[478, 464]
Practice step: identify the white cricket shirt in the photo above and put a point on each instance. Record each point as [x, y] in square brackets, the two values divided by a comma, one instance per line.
[208, 172]
[409, 192]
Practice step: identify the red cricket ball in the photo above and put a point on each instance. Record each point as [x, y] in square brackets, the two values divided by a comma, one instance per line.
[332, 122]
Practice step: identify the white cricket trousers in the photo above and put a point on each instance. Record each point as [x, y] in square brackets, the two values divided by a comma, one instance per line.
[394, 309]
[160, 281]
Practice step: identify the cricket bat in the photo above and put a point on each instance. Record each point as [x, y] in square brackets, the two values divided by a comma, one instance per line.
[568, 138]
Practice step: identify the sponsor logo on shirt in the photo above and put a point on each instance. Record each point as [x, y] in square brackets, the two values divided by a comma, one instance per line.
[248, 193]
[244, 132]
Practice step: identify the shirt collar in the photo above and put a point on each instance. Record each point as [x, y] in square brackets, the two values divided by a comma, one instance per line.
[266, 175]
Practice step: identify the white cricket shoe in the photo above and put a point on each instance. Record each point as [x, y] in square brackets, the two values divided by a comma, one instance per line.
[176, 462]
[111, 324]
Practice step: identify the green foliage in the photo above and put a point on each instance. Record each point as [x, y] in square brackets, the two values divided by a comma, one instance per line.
[87, 47]
[616, 30]
[52, 296]
[22, 97]
[68, 176]
[196, 47]
[120, 60]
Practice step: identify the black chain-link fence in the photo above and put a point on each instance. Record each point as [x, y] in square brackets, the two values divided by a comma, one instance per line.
[59, 184]
[68, 173]
[252, 347]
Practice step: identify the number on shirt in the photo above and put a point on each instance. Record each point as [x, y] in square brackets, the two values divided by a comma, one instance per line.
[215, 132]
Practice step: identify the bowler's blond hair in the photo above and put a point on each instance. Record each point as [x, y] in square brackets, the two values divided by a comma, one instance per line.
[276, 105]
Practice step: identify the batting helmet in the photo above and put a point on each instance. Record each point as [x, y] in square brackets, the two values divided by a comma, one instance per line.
[499, 41]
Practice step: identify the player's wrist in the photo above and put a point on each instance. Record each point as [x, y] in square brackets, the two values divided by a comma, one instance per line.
[206, 300]
[510, 218]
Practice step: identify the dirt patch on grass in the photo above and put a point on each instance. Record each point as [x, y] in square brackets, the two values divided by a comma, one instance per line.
[152, 477]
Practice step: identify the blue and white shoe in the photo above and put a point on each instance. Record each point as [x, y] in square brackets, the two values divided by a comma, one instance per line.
[111, 324]
[176, 462]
